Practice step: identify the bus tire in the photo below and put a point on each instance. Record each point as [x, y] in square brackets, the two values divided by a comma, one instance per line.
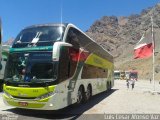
[88, 93]
[80, 95]
[108, 86]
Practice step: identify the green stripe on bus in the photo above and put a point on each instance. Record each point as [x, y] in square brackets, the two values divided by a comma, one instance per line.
[42, 48]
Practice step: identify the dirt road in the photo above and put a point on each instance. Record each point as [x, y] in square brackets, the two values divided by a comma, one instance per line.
[142, 99]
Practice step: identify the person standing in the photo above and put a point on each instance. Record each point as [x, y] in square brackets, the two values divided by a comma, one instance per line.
[127, 82]
[133, 83]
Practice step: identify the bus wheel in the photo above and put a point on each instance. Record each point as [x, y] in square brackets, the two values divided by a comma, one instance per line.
[108, 86]
[80, 95]
[1, 86]
[88, 94]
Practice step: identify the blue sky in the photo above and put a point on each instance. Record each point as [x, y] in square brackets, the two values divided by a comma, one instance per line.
[17, 14]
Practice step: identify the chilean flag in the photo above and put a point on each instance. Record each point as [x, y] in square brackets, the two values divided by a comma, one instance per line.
[144, 47]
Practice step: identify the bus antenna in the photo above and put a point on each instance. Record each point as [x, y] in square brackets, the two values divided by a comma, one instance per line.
[61, 10]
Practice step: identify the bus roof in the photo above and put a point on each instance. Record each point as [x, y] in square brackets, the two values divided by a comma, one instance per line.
[48, 24]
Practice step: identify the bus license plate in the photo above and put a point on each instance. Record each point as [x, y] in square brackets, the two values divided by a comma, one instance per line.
[23, 104]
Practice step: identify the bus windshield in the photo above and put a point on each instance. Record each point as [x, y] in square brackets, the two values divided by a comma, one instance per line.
[39, 35]
[134, 75]
[30, 67]
[117, 74]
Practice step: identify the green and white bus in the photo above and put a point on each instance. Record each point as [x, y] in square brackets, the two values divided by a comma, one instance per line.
[51, 66]
[5, 52]
[1, 82]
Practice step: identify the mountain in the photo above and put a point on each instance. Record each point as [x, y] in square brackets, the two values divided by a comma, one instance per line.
[8, 42]
[119, 36]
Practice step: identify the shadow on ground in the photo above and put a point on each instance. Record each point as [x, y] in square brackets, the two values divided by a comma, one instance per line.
[70, 112]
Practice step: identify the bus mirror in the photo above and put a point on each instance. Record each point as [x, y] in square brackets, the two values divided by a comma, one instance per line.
[68, 44]
[56, 49]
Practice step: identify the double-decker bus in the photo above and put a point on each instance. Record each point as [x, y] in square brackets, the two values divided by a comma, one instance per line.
[122, 75]
[133, 75]
[5, 51]
[127, 74]
[117, 75]
[1, 82]
[51, 66]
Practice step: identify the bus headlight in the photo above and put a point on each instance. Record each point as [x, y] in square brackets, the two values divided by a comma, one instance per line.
[45, 96]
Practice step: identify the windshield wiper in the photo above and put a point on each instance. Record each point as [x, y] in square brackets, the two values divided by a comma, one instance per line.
[45, 41]
[7, 80]
[35, 80]
[20, 42]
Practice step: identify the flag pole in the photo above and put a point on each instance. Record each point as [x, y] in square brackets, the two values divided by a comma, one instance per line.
[153, 43]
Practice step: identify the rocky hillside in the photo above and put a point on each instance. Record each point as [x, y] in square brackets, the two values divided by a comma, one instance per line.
[8, 42]
[119, 35]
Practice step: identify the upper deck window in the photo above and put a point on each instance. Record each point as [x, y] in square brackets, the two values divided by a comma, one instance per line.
[39, 36]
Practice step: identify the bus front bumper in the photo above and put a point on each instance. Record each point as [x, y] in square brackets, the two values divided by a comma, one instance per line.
[43, 104]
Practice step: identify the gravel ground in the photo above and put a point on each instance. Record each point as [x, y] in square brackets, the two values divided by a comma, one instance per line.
[142, 99]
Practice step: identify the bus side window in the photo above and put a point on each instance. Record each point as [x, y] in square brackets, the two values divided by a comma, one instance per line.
[73, 55]
[72, 38]
[63, 64]
[67, 63]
